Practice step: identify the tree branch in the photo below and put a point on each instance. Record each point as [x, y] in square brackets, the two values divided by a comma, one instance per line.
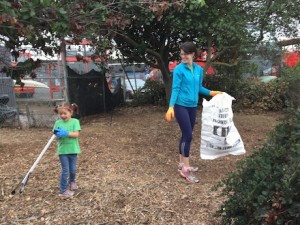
[293, 41]
[226, 64]
[264, 21]
[139, 59]
[160, 61]
[134, 44]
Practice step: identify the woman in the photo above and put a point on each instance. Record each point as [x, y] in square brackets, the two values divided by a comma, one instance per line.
[187, 84]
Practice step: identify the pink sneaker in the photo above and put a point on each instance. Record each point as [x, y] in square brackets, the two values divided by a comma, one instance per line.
[188, 175]
[192, 168]
[73, 186]
[67, 193]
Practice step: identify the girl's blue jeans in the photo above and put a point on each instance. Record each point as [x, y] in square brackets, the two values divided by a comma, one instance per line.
[68, 170]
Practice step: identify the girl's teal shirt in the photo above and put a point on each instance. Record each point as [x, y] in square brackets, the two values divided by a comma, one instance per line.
[187, 84]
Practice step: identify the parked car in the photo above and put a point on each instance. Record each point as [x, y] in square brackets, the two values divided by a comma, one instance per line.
[24, 92]
[272, 71]
[28, 90]
[266, 79]
[136, 84]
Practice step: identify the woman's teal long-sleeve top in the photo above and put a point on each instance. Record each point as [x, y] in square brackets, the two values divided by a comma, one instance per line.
[187, 84]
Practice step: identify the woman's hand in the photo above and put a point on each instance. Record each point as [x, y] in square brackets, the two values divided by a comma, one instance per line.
[214, 93]
[170, 114]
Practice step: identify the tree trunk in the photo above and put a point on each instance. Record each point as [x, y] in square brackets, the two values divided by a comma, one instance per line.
[64, 67]
[163, 63]
[168, 88]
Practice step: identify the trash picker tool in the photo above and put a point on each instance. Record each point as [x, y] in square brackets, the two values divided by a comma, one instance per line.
[23, 183]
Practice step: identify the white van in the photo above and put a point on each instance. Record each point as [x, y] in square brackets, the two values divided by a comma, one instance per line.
[136, 84]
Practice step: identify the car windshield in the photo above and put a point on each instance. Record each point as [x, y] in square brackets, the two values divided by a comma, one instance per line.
[136, 84]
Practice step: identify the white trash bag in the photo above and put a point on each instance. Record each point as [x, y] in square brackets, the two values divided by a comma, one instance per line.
[219, 136]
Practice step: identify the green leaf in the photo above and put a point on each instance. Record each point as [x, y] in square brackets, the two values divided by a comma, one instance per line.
[32, 13]
[45, 3]
[202, 3]
[62, 11]
[5, 5]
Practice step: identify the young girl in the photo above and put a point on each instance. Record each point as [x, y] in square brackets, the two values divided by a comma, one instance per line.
[67, 130]
[187, 84]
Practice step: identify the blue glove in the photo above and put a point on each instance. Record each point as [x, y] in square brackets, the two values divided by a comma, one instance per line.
[59, 133]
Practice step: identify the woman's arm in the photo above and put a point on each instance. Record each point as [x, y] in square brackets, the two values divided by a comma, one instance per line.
[177, 78]
[202, 90]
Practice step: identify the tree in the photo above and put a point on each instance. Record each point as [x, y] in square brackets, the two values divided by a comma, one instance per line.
[228, 27]
[152, 36]
[276, 18]
[156, 31]
[44, 25]
[148, 31]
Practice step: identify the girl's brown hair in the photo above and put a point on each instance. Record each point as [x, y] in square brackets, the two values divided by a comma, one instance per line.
[70, 107]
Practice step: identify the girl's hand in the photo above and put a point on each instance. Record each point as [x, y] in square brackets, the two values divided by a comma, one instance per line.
[61, 133]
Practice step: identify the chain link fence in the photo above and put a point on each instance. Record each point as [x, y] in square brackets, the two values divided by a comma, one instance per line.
[93, 88]
[32, 105]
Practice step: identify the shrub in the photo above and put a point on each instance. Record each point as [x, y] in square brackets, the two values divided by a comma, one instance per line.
[254, 94]
[222, 82]
[152, 93]
[291, 76]
[265, 189]
[250, 93]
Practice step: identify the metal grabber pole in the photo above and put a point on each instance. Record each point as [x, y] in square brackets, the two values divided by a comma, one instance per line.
[23, 183]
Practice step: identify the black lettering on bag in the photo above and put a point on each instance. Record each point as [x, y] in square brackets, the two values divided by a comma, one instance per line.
[223, 148]
[221, 131]
[223, 116]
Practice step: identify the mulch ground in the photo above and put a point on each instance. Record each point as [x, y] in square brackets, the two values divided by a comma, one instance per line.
[127, 172]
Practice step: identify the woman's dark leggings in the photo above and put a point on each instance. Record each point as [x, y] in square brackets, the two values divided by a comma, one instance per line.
[186, 117]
